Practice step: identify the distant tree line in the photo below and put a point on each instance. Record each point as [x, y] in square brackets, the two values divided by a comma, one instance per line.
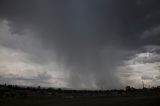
[23, 91]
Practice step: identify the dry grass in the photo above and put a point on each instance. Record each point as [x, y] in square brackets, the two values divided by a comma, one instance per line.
[81, 101]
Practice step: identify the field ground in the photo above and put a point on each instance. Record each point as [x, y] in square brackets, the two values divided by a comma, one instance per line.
[81, 101]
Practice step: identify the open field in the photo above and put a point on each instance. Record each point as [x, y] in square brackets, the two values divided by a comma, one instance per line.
[81, 101]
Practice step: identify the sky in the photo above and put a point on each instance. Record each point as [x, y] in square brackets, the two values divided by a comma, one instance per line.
[80, 44]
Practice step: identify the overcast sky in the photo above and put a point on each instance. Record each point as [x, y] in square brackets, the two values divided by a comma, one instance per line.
[80, 44]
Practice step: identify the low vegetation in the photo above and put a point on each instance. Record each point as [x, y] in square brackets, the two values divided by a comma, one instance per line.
[12, 95]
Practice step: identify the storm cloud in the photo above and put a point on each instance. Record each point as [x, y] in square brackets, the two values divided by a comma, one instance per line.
[89, 44]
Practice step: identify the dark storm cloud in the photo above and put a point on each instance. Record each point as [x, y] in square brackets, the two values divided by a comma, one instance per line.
[118, 21]
[88, 36]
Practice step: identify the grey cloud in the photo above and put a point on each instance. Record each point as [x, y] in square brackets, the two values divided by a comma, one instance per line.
[86, 37]
[41, 79]
[151, 33]
[147, 54]
[158, 77]
[147, 78]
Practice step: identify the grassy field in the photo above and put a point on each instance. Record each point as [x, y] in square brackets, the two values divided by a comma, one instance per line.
[81, 101]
